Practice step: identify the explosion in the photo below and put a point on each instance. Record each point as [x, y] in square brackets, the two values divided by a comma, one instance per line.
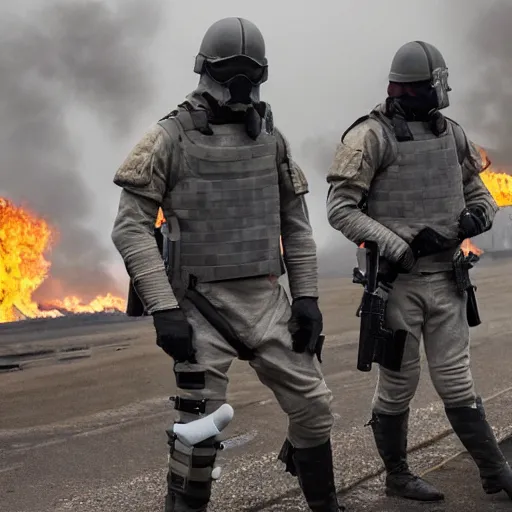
[24, 240]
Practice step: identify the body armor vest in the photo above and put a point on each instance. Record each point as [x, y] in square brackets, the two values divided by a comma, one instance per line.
[225, 199]
[422, 187]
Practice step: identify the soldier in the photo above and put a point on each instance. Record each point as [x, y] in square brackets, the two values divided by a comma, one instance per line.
[229, 189]
[403, 168]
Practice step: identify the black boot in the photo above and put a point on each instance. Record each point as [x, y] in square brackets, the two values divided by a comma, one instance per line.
[390, 434]
[175, 502]
[314, 470]
[478, 438]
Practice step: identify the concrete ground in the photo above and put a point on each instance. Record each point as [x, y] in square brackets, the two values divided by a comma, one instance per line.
[84, 429]
[457, 477]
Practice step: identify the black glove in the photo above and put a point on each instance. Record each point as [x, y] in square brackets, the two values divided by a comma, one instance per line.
[174, 335]
[471, 223]
[406, 261]
[305, 326]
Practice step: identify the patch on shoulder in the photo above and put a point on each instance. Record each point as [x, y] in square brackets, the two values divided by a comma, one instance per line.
[136, 170]
[347, 162]
[299, 180]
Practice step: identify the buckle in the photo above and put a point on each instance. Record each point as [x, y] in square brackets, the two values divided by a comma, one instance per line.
[188, 405]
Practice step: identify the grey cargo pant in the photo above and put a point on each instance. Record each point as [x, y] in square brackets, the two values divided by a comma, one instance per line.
[258, 310]
[428, 305]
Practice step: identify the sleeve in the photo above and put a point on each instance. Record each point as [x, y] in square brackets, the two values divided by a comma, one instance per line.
[363, 150]
[144, 177]
[477, 196]
[299, 247]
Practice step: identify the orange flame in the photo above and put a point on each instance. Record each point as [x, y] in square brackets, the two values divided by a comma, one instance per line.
[499, 184]
[160, 219]
[24, 241]
[467, 246]
[101, 303]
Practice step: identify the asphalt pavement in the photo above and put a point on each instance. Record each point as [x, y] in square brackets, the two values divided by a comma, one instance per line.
[82, 426]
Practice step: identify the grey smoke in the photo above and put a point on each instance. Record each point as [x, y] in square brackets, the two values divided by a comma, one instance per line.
[490, 102]
[86, 53]
[337, 257]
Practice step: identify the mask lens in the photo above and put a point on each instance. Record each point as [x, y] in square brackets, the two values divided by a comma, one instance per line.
[226, 70]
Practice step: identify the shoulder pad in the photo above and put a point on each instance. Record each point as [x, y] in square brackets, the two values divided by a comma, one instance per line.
[354, 124]
[137, 171]
[377, 122]
[346, 163]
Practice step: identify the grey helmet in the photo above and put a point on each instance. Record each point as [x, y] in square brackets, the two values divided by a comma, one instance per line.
[418, 61]
[232, 61]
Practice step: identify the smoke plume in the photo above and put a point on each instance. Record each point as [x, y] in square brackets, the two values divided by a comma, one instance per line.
[336, 254]
[490, 103]
[84, 53]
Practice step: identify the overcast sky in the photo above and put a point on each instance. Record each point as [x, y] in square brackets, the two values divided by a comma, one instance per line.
[328, 65]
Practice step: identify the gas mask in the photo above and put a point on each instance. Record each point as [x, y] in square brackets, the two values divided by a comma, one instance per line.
[234, 81]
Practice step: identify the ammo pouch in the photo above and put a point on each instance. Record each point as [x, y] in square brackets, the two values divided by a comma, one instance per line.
[461, 266]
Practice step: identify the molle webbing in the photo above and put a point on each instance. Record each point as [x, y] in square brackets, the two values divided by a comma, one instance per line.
[422, 188]
[226, 201]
